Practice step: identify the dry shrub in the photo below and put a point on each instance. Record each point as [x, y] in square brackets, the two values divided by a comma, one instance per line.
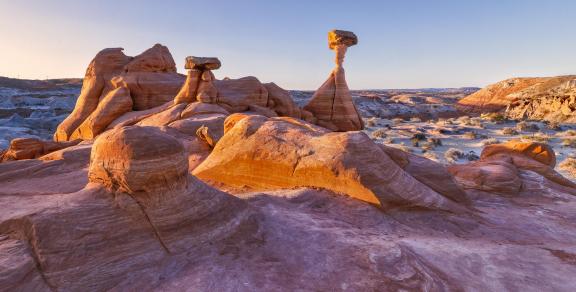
[397, 121]
[568, 166]
[569, 142]
[378, 133]
[402, 147]
[509, 131]
[453, 154]
[494, 117]
[470, 135]
[527, 127]
[490, 141]
[431, 156]
[537, 137]
[371, 122]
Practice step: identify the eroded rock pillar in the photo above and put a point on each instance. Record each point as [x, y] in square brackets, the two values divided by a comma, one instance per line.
[199, 84]
[332, 103]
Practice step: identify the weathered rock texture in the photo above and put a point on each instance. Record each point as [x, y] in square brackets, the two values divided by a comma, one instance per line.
[141, 218]
[115, 84]
[119, 90]
[500, 169]
[332, 103]
[495, 97]
[199, 84]
[554, 102]
[546, 98]
[305, 209]
[30, 148]
[276, 153]
[125, 214]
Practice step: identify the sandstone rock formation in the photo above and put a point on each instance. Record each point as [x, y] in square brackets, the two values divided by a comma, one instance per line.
[112, 105]
[119, 90]
[287, 153]
[501, 166]
[199, 84]
[332, 103]
[115, 84]
[554, 102]
[232, 187]
[534, 98]
[534, 150]
[495, 97]
[134, 218]
[234, 95]
[30, 148]
[140, 212]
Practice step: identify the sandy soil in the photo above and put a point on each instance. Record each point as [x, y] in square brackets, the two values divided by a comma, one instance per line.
[468, 136]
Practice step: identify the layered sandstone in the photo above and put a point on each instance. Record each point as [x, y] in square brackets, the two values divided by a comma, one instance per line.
[31, 148]
[289, 205]
[199, 84]
[115, 84]
[287, 153]
[501, 166]
[140, 211]
[125, 213]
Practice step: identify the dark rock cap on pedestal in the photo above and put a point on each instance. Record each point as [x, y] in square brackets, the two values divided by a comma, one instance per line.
[341, 37]
[210, 63]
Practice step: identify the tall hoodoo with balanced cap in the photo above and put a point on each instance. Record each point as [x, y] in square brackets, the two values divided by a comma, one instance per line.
[332, 103]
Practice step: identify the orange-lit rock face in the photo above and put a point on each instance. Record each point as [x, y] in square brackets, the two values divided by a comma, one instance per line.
[276, 153]
[141, 213]
[281, 102]
[152, 89]
[540, 152]
[147, 80]
[501, 166]
[341, 37]
[134, 159]
[498, 96]
[114, 104]
[199, 84]
[332, 103]
[106, 64]
[30, 148]
[236, 95]
[156, 59]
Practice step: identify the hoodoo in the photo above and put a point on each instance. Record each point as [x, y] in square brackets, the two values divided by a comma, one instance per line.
[199, 85]
[332, 103]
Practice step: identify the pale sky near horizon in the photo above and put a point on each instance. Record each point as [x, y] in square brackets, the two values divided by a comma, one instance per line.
[402, 44]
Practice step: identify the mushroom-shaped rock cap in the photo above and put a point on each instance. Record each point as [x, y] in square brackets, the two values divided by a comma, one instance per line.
[341, 37]
[138, 159]
[210, 63]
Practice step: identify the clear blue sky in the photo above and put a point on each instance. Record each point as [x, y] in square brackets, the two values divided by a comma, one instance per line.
[402, 44]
